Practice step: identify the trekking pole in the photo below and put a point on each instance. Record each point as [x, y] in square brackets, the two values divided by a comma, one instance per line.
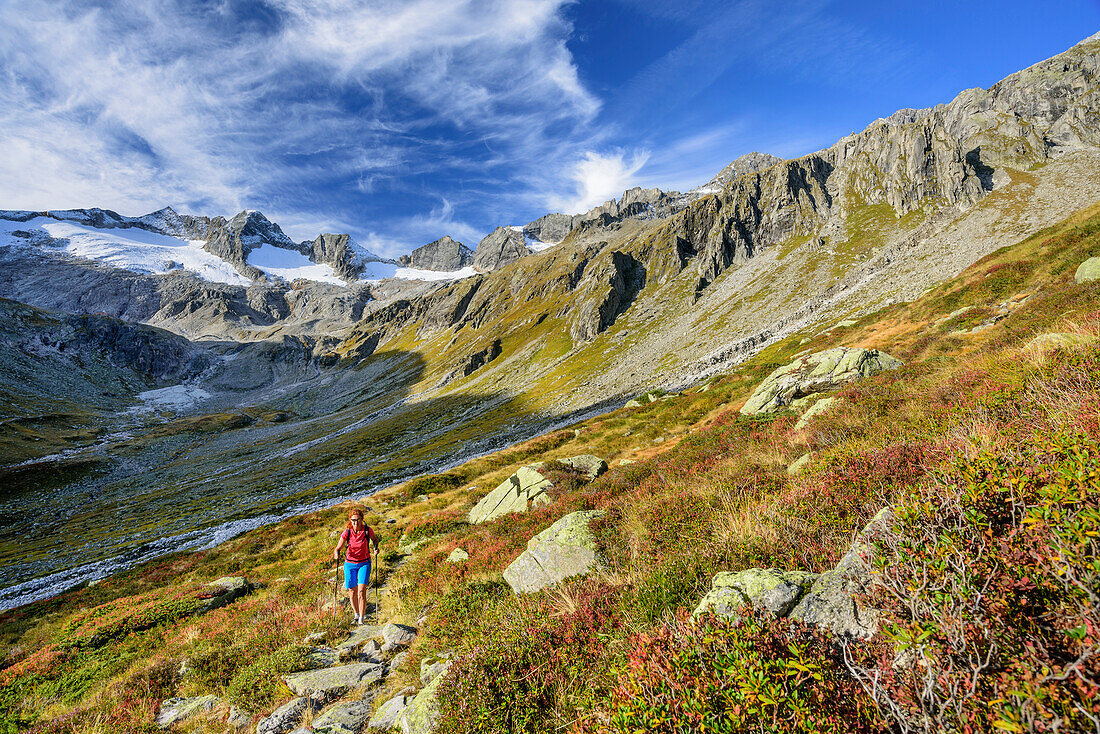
[335, 586]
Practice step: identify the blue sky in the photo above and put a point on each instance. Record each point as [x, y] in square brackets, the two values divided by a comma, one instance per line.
[400, 122]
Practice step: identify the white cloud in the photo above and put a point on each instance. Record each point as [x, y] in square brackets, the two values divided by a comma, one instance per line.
[598, 177]
[133, 105]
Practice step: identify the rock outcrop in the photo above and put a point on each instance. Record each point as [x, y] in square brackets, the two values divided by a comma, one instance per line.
[389, 714]
[749, 163]
[421, 715]
[334, 681]
[592, 466]
[346, 717]
[770, 589]
[565, 549]
[607, 288]
[339, 251]
[816, 373]
[500, 247]
[176, 710]
[1088, 271]
[444, 255]
[552, 227]
[526, 488]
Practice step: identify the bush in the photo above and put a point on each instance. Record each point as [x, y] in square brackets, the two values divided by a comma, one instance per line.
[435, 523]
[989, 585]
[257, 685]
[723, 676]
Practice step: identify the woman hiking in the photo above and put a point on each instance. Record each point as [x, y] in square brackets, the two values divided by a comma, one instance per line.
[357, 562]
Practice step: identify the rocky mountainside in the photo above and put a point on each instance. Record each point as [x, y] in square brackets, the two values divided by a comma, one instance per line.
[443, 255]
[371, 381]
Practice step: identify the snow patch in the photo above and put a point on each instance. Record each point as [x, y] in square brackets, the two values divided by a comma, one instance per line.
[176, 397]
[291, 265]
[133, 249]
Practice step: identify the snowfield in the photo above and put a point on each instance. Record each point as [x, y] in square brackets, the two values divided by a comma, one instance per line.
[133, 249]
[291, 265]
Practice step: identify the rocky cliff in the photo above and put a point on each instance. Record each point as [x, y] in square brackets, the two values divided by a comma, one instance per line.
[444, 255]
[499, 248]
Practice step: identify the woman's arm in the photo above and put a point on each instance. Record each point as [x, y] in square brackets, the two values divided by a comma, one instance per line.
[340, 544]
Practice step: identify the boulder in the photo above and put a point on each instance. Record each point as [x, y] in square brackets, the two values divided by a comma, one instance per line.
[174, 710]
[771, 589]
[816, 373]
[398, 660]
[591, 465]
[334, 681]
[323, 657]
[224, 591]
[458, 556]
[386, 717]
[396, 636]
[831, 601]
[286, 717]
[523, 489]
[432, 666]
[799, 464]
[566, 548]
[821, 406]
[347, 717]
[1088, 271]
[421, 715]
[238, 719]
[359, 636]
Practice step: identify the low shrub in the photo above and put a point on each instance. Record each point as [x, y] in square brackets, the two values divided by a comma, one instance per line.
[257, 685]
[723, 676]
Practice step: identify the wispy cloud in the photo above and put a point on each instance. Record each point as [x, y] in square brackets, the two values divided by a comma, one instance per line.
[266, 104]
[599, 177]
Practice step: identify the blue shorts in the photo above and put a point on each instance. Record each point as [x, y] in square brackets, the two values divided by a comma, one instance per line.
[356, 574]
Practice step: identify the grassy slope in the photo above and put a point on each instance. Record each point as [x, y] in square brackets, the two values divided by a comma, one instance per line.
[709, 493]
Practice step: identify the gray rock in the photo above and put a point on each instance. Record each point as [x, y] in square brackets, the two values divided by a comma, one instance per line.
[551, 228]
[286, 717]
[745, 165]
[1088, 271]
[334, 681]
[398, 660]
[347, 717]
[432, 666]
[238, 718]
[360, 636]
[607, 288]
[816, 373]
[799, 464]
[591, 465]
[458, 555]
[396, 636]
[500, 247]
[818, 408]
[831, 601]
[387, 716]
[444, 255]
[226, 590]
[566, 548]
[526, 488]
[174, 710]
[770, 589]
[323, 657]
[421, 715]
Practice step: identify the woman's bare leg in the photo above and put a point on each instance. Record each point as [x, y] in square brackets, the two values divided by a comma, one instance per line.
[362, 598]
[356, 598]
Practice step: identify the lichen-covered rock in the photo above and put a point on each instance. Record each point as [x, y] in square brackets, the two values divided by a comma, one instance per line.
[591, 465]
[386, 717]
[396, 636]
[458, 555]
[816, 373]
[360, 636]
[566, 548]
[432, 666]
[286, 717]
[821, 406]
[421, 715]
[224, 591]
[334, 681]
[831, 601]
[771, 589]
[323, 657]
[1088, 271]
[799, 464]
[526, 488]
[174, 710]
[346, 717]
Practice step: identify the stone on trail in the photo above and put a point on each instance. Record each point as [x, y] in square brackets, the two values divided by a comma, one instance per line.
[386, 717]
[334, 681]
[175, 710]
[286, 717]
[323, 657]
[397, 636]
[398, 660]
[458, 555]
[771, 589]
[566, 548]
[526, 488]
[816, 373]
[421, 715]
[360, 636]
[821, 406]
[1088, 271]
[347, 717]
